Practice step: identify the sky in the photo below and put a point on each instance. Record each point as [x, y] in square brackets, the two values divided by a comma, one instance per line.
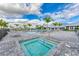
[65, 13]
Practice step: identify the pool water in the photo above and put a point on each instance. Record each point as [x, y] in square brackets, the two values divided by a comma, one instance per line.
[31, 32]
[36, 47]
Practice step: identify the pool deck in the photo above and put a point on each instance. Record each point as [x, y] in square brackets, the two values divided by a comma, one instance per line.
[68, 45]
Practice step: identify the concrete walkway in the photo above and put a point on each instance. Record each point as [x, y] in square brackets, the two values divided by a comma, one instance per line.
[9, 44]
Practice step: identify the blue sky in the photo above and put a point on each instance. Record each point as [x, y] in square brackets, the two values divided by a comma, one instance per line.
[47, 8]
[54, 8]
[30, 16]
[59, 12]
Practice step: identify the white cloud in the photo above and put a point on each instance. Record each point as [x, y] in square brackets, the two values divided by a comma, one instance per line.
[20, 20]
[72, 11]
[35, 8]
[15, 20]
[16, 10]
[36, 22]
[68, 12]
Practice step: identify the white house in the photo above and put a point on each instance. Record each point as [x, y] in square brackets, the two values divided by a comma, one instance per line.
[72, 26]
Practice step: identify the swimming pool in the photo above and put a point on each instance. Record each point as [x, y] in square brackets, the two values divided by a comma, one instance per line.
[36, 47]
[31, 33]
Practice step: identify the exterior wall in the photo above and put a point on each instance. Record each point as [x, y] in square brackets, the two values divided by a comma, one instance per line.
[65, 27]
[57, 28]
[70, 27]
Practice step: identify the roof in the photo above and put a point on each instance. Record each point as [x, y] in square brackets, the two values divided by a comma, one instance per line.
[54, 26]
[73, 24]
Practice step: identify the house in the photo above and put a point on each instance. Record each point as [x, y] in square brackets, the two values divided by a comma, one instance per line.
[55, 27]
[72, 26]
[63, 27]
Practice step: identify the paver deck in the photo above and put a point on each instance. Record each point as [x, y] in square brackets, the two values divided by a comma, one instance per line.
[69, 42]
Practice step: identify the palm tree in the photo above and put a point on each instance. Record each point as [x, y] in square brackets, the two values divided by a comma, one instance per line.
[17, 24]
[25, 26]
[29, 26]
[57, 24]
[18, 27]
[39, 27]
[47, 20]
[3, 24]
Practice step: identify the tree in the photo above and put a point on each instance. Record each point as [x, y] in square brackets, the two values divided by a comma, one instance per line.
[25, 26]
[3, 23]
[39, 27]
[57, 24]
[17, 24]
[47, 20]
[29, 26]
